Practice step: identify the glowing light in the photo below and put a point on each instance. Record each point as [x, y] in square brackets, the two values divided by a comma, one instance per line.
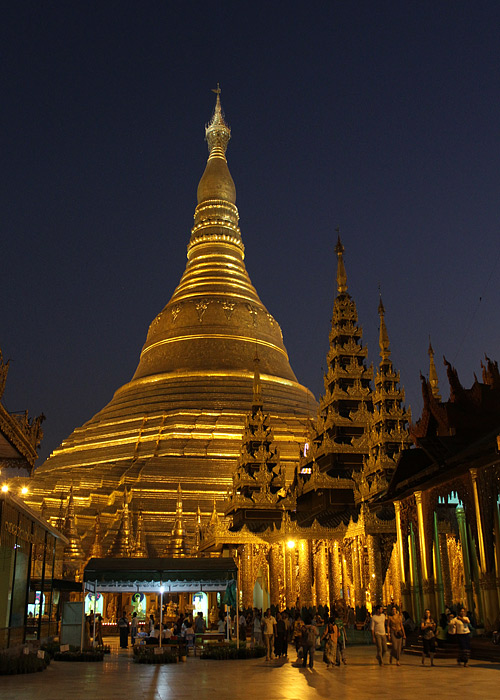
[5, 488]
[373, 575]
[290, 544]
[162, 590]
[306, 449]
[24, 490]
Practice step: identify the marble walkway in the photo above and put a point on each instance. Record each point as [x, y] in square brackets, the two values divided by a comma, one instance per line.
[118, 678]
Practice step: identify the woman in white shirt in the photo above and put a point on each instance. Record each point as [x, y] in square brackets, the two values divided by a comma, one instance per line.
[460, 625]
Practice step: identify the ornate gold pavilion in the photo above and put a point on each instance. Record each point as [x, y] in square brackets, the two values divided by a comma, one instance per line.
[213, 448]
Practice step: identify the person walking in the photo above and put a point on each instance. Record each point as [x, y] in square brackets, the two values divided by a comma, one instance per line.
[200, 625]
[397, 634]
[280, 643]
[257, 628]
[298, 625]
[341, 641]
[269, 629]
[134, 628]
[379, 635]
[428, 632]
[331, 636]
[461, 627]
[123, 629]
[309, 634]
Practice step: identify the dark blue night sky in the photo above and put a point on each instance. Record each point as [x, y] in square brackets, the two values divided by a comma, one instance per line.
[382, 118]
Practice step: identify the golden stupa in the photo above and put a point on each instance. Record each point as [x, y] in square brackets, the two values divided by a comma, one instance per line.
[179, 421]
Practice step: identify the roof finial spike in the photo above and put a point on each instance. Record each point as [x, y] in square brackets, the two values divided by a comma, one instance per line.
[433, 377]
[217, 132]
[385, 353]
[341, 273]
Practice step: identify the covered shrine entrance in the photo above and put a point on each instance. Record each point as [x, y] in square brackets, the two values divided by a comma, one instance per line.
[162, 587]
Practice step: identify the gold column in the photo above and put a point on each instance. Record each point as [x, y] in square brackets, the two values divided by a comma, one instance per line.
[374, 569]
[403, 580]
[396, 582]
[246, 577]
[445, 569]
[415, 585]
[440, 602]
[358, 601]
[274, 574]
[320, 577]
[462, 529]
[290, 577]
[497, 549]
[425, 549]
[335, 574]
[487, 582]
[305, 578]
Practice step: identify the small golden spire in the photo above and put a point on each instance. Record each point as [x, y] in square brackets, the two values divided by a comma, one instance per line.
[178, 530]
[433, 377]
[217, 132]
[385, 353]
[341, 273]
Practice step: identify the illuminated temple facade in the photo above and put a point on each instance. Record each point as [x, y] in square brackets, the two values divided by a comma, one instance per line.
[214, 449]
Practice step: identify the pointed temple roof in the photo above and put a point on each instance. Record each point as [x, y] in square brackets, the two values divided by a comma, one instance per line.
[181, 416]
[433, 377]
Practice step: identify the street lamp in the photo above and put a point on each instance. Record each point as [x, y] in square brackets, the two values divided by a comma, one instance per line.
[162, 589]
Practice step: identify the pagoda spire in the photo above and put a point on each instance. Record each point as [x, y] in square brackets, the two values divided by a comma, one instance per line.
[433, 377]
[387, 430]
[121, 546]
[214, 518]
[385, 353]
[341, 273]
[96, 551]
[347, 402]
[177, 546]
[258, 478]
[73, 551]
[140, 548]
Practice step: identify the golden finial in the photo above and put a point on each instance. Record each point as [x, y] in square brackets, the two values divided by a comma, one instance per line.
[217, 132]
[433, 377]
[341, 273]
[385, 353]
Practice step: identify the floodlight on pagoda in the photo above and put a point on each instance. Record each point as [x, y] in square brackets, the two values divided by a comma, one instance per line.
[5, 488]
[290, 544]
[24, 490]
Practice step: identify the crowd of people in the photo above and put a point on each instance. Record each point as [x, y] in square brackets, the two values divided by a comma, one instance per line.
[326, 631]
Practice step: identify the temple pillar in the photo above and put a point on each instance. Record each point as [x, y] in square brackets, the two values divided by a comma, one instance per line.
[445, 569]
[290, 574]
[320, 575]
[358, 601]
[497, 549]
[396, 583]
[275, 575]
[425, 559]
[403, 579]
[439, 585]
[486, 578]
[478, 597]
[374, 569]
[305, 577]
[335, 574]
[246, 576]
[462, 530]
[414, 579]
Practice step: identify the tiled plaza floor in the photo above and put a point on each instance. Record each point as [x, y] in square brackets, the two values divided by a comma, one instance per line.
[118, 678]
